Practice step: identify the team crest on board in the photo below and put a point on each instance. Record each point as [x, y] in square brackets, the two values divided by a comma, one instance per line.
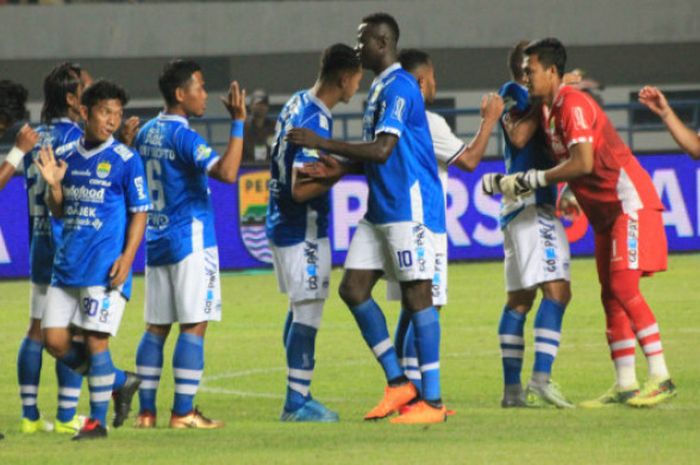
[253, 195]
[103, 169]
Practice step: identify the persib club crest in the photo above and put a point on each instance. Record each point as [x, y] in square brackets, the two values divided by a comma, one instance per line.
[103, 169]
[253, 194]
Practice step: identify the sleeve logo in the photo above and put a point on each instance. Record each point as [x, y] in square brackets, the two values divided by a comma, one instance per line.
[579, 119]
[202, 152]
[138, 183]
[399, 107]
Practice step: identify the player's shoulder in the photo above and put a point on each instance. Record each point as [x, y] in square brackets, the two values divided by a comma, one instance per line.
[124, 152]
[314, 115]
[569, 96]
[512, 88]
[401, 80]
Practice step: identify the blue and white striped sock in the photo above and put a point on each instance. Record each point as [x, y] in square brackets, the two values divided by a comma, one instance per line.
[188, 366]
[100, 383]
[547, 336]
[149, 365]
[69, 383]
[372, 324]
[301, 344]
[510, 335]
[29, 361]
[405, 344]
[426, 325]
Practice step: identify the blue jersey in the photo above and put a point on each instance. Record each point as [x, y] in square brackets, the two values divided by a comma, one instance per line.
[44, 230]
[289, 222]
[100, 187]
[176, 159]
[406, 187]
[533, 155]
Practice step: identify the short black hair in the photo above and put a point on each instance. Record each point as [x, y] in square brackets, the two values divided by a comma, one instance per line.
[177, 73]
[384, 18]
[336, 59]
[550, 52]
[13, 97]
[103, 89]
[63, 79]
[515, 59]
[412, 59]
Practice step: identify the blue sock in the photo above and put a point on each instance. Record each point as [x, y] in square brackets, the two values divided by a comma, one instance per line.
[404, 342]
[547, 334]
[188, 365]
[287, 326]
[149, 365]
[372, 324]
[101, 383]
[510, 335]
[28, 375]
[69, 383]
[77, 358]
[301, 345]
[426, 325]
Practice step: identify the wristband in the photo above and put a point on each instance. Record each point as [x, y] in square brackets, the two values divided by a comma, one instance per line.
[237, 129]
[14, 157]
[541, 180]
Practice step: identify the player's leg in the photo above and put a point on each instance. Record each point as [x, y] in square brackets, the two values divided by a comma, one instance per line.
[159, 313]
[512, 342]
[29, 361]
[69, 385]
[618, 331]
[101, 380]
[197, 297]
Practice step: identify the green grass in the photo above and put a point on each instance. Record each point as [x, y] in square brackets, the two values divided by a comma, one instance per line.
[245, 379]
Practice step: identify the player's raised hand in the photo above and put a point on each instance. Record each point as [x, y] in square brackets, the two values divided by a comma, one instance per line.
[654, 99]
[491, 106]
[119, 271]
[235, 102]
[304, 137]
[51, 170]
[26, 138]
[129, 130]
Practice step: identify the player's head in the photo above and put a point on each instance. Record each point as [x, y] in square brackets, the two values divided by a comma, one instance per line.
[418, 63]
[13, 97]
[340, 67]
[544, 65]
[182, 85]
[377, 37]
[63, 88]
[515, 61]
[102, 108]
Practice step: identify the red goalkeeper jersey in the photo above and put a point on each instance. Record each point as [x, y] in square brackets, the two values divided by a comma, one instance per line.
[618, 183]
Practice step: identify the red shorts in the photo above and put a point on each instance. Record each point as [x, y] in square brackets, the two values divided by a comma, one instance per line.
[633, 244]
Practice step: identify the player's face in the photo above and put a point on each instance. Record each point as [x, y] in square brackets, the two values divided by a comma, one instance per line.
[349, 84]
[429, 84]
[367, 46]
[539, 79]
[102, 119]
[194, 96]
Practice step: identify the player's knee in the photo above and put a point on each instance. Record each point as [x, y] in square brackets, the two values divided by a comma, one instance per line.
[560, 294]
[351, 294]
[161, 331]
[34, 330]
[56, 344]
[623, 290]
[308, 312]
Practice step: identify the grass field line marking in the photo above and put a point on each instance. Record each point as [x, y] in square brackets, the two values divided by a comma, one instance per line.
[204, 387]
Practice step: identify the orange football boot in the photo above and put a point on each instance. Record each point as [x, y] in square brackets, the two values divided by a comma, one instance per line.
[194, 420]
[422, 413]
[394, 398]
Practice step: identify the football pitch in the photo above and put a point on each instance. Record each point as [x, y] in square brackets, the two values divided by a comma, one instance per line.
[245, 377]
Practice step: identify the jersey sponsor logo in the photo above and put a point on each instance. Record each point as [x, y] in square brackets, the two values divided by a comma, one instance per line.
[633, 244]
[546, 229]
[311, 255]
[202, 152]
[419, 244]
[84, 194]
[103, 169]
[85, 173]
[399, 107]
[253, 196]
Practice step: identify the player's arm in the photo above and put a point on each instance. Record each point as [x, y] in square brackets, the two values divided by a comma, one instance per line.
[128, 131]
[52, 171]
[491, 109]
[685, 137]
[24, 142]
[521, 129]
[377, 151]
[226, 169]
[122, 265]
